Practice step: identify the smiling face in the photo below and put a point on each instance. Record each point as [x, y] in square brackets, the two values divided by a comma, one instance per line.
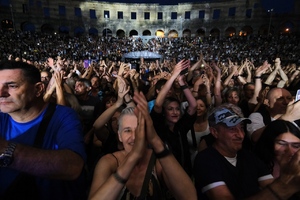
[286, 145]
[228, 139]
[126, 132]
[201, 108]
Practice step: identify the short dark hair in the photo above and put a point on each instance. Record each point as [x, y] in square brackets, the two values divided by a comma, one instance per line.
[30, 72]
[247, 84]
[159, 84]
[86, 82]
[48, 73]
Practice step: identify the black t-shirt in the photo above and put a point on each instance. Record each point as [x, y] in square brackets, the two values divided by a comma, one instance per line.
[242, 180]
[177, 140]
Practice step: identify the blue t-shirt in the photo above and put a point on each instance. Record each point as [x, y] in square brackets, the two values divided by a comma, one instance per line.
[63, 132]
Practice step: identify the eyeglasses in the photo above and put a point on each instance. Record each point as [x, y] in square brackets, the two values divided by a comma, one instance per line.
[294, 145]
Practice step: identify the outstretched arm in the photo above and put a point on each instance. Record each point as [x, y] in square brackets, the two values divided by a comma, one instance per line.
[172, 172]
[183, 64]
[108, 113]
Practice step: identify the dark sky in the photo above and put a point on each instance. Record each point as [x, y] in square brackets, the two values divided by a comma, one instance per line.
[279, 6]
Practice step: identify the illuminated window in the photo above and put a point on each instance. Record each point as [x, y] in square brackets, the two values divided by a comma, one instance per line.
[106, 14]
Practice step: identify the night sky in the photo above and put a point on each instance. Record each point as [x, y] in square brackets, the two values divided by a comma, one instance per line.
[278, 6]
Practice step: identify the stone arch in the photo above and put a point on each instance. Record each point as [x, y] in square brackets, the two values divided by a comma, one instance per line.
[63, 30]
[78, 31]
[28, 26]
[214, 33]
[200, 32]
[7, 25]
[133, 32]
[173, 34]
[146, 33]
[93, 31]
[230, 31]
[120, 33]
[246, 31]
[160, 33]
[107, 32]
[47, 28]
[286, 27]
[186, 33]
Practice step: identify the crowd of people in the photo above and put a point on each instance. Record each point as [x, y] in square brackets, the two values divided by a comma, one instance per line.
[213, 119]
[38, 47]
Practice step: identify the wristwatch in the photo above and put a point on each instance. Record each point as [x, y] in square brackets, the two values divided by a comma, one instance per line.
[6, 158]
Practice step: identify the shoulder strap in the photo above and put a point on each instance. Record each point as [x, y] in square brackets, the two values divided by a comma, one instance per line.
[38, 142]
[194, 137]
[24, 184]
[147, 177]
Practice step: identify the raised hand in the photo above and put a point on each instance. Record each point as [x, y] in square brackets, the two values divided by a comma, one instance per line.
[142, 106]
[262, 69]
[123, 89]
[140, 140]
[181, 65]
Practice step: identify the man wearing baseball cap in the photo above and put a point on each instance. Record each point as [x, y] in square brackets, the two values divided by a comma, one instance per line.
[225, 169]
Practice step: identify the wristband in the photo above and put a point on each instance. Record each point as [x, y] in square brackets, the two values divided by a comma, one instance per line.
[119, 178]
[183, 87]
[163, 153]
[273, 192]
[257, 77]
[127, 102]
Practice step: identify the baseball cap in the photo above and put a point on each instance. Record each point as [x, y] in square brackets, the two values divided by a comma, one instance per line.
[225, 116]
